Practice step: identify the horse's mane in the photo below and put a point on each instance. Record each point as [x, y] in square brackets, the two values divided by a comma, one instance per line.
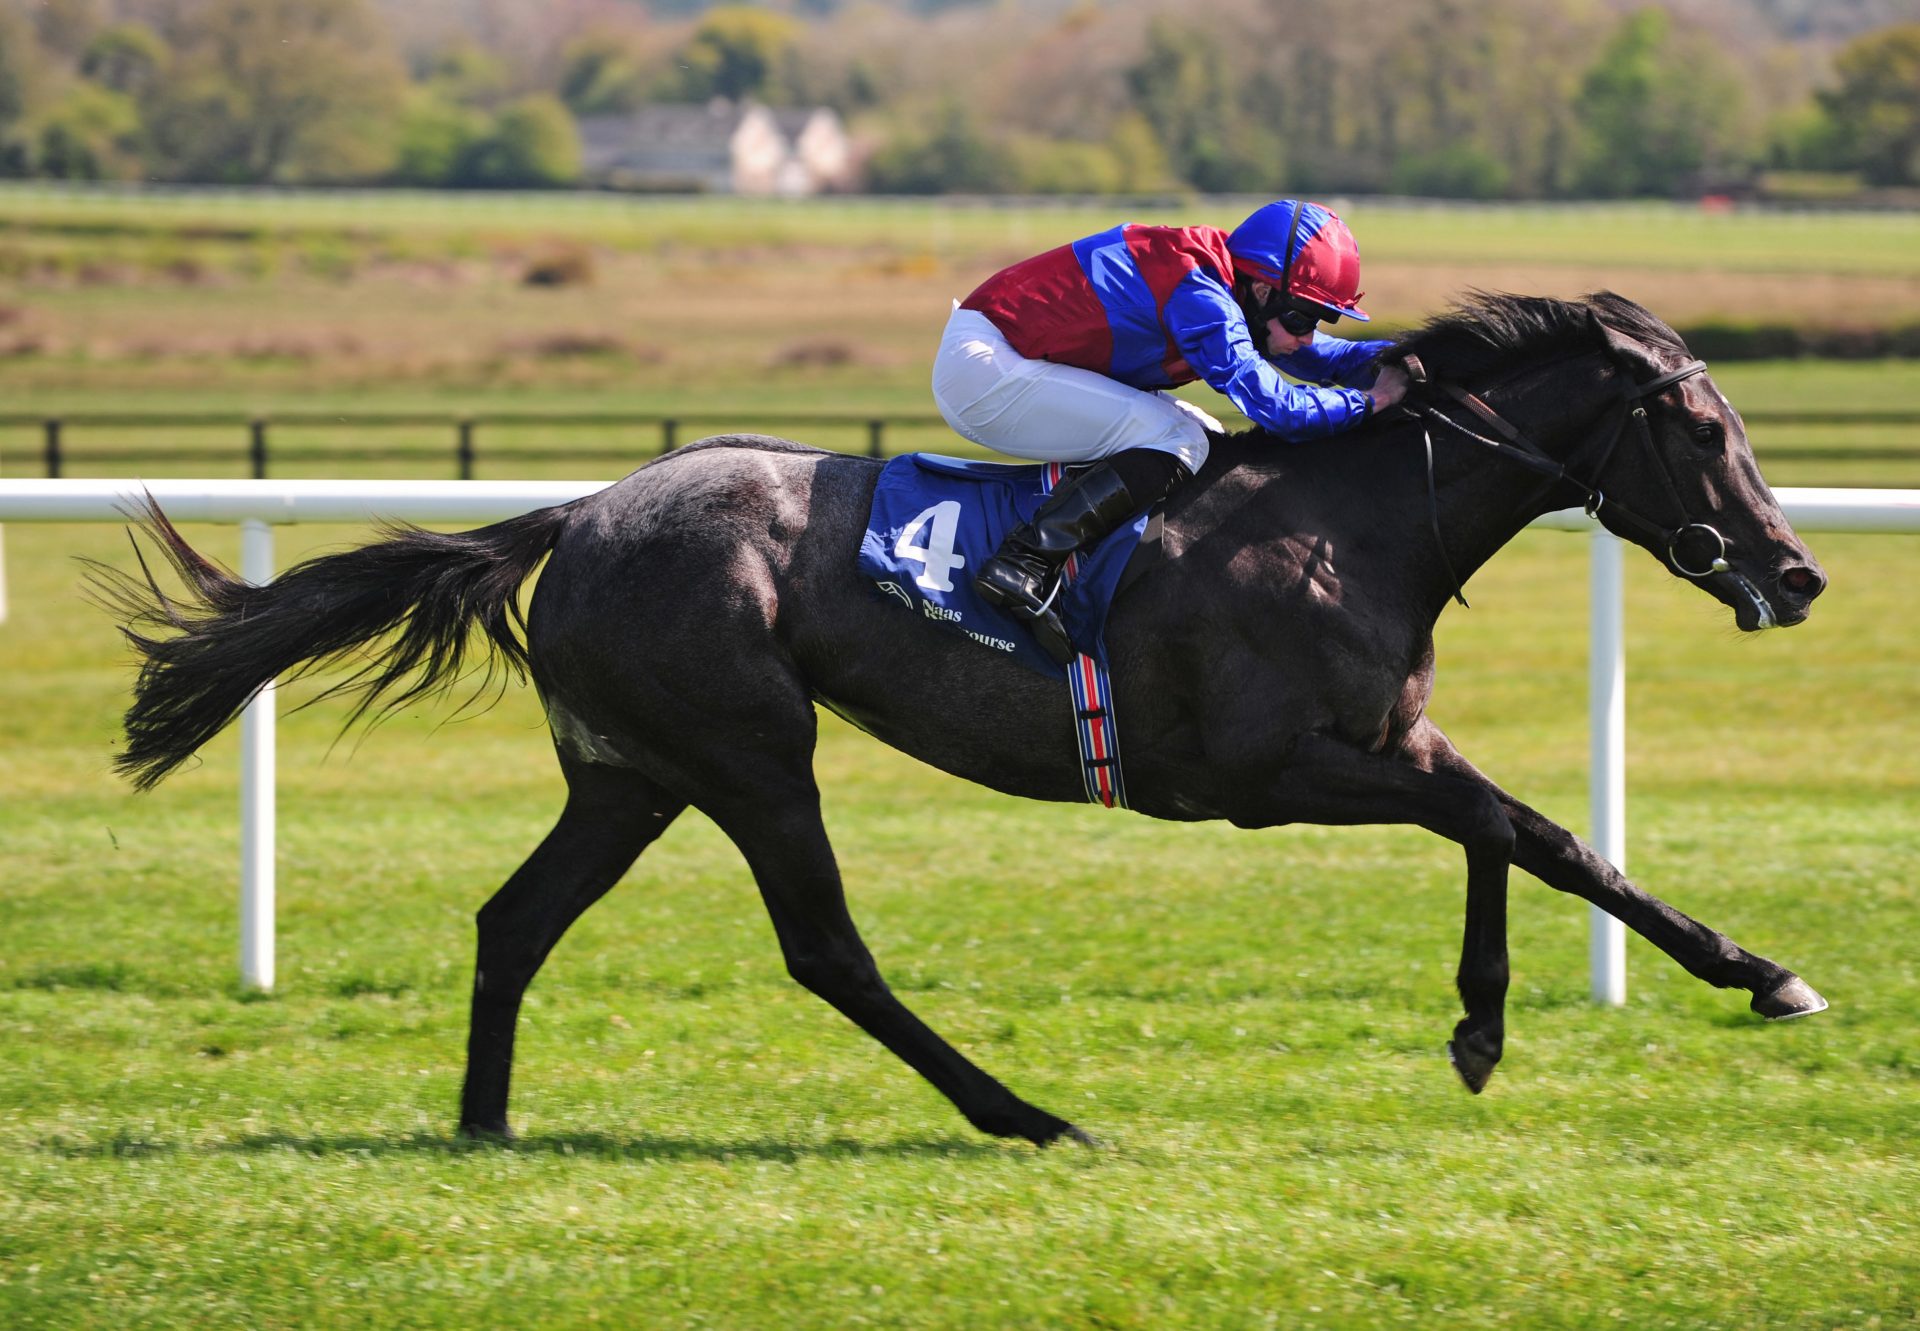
[1488, 331]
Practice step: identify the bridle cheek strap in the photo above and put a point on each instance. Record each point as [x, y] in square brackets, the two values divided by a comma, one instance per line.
[1518, 448]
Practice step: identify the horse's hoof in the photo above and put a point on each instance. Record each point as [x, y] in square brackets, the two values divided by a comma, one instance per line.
[1062, 1131]
[488, 1132]
[1474, 1068]
[1795, 998]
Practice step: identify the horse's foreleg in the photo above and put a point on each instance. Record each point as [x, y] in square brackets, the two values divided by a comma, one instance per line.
[1327, 781]
[786, 847]
[611, 816]
[1564, 862]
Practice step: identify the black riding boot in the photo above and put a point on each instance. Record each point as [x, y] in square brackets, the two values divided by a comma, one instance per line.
[1023, 577]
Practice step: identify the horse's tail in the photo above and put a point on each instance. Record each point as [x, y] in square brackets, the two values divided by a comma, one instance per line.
[204, 658]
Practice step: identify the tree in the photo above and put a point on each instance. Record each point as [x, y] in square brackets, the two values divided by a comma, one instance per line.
[737, 52]
[19, 50]
[126, 58]
[534, 145]
[1876, 107]
[952, 157]
[1656, 111]
[602, 72]
[468, 74]
[1183, 87]
[436, 138]
[92, 133]
[66, 25]
[265, 90]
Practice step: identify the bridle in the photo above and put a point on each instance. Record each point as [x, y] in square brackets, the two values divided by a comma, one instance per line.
[1518, 448]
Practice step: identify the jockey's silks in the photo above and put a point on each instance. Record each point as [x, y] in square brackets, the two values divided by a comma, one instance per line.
[1153, 307]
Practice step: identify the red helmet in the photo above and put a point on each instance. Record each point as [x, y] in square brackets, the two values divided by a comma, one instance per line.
[1306, 251]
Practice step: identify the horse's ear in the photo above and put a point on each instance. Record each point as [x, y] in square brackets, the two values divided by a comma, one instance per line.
[1623, 350]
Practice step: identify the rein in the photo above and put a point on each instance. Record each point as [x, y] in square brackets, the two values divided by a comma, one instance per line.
[1516, 447]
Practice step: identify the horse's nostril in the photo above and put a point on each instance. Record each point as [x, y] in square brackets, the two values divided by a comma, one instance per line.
[1803, 582]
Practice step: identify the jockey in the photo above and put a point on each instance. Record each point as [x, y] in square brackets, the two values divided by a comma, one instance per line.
[1066, 358]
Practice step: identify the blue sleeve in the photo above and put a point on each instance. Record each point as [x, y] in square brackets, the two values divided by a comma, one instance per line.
[1212, 334]
[1334, 360]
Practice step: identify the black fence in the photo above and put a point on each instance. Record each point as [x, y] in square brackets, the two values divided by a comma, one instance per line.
[259, 451]
[254, 442]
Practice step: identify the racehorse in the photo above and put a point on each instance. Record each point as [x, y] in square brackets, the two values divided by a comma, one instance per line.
[1272, 661]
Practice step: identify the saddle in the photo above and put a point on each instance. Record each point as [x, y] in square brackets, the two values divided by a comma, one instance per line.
[936, 519]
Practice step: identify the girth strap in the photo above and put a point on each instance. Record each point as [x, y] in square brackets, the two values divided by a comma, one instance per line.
[1091, 690]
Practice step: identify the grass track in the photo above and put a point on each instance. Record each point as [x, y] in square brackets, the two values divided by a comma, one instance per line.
[1253, 1019]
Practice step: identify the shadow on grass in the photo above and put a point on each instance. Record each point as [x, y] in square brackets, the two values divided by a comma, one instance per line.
[596, 1145]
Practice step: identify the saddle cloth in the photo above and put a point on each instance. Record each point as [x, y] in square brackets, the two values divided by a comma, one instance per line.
[936, 520]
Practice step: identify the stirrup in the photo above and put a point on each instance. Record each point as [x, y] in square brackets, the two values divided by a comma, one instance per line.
[1048, 630]
[1051, 635]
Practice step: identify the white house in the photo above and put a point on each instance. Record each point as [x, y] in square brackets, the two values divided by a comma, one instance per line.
[720, 148]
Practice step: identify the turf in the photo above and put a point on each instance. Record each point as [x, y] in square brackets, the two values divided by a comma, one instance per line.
[1252, 1020]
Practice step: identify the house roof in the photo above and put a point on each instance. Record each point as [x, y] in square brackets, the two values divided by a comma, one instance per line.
[666, 130]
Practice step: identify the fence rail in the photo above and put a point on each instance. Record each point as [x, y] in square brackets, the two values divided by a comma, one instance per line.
[258, 452]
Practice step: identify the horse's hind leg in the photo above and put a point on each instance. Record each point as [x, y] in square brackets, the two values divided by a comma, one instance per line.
[785, 845]
[612, 814]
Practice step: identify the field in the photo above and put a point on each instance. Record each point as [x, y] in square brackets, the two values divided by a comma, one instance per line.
[1253, 1021]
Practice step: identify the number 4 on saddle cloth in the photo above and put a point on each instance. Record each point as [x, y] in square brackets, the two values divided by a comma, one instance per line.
[935, 520]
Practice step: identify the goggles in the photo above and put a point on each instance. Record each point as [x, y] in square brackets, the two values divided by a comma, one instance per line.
[1300, 318]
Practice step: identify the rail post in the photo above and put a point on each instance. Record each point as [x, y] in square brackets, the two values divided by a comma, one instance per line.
[257, 792]
[53, 448]
[1607, 755]
[257, 447]
[876, 438]
[669, 435]
[463, 451]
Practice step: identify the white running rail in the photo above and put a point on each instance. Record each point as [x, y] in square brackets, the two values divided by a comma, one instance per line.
[259, 506]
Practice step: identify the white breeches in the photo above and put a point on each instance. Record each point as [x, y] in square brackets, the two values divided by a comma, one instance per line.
[1045, 412]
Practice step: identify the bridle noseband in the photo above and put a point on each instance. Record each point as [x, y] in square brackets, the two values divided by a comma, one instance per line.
[1518, 448]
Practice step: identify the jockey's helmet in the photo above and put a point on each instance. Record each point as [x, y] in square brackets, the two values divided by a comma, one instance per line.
[1306, 252]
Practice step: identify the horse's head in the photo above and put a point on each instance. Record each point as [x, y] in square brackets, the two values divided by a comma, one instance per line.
[1612, 405]
[1682, 482]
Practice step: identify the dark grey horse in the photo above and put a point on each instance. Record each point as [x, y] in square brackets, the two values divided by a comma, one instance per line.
[1272, 663]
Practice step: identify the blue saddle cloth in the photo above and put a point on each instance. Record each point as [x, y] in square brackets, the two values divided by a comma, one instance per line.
[936, 520]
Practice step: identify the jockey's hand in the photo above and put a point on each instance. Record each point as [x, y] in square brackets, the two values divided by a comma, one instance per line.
[1389, 388]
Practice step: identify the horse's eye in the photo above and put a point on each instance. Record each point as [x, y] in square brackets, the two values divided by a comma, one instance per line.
[1707, 434]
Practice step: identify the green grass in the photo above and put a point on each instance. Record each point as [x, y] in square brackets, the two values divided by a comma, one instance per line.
[1253, 1020]
[1631, 234]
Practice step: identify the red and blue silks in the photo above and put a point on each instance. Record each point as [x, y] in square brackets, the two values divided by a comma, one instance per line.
[1153, 307]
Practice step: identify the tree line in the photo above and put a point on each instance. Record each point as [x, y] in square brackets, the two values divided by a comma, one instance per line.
[1459, 98]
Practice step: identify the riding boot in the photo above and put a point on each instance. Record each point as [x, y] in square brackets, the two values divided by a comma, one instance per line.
[1023, 576]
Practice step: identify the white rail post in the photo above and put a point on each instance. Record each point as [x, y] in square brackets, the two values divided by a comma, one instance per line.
[256, 792]
[1607, 759]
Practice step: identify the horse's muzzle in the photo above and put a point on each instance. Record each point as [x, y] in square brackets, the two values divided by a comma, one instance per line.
[1768, 600]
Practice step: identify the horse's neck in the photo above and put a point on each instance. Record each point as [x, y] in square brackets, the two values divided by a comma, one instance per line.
[1485, 499]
